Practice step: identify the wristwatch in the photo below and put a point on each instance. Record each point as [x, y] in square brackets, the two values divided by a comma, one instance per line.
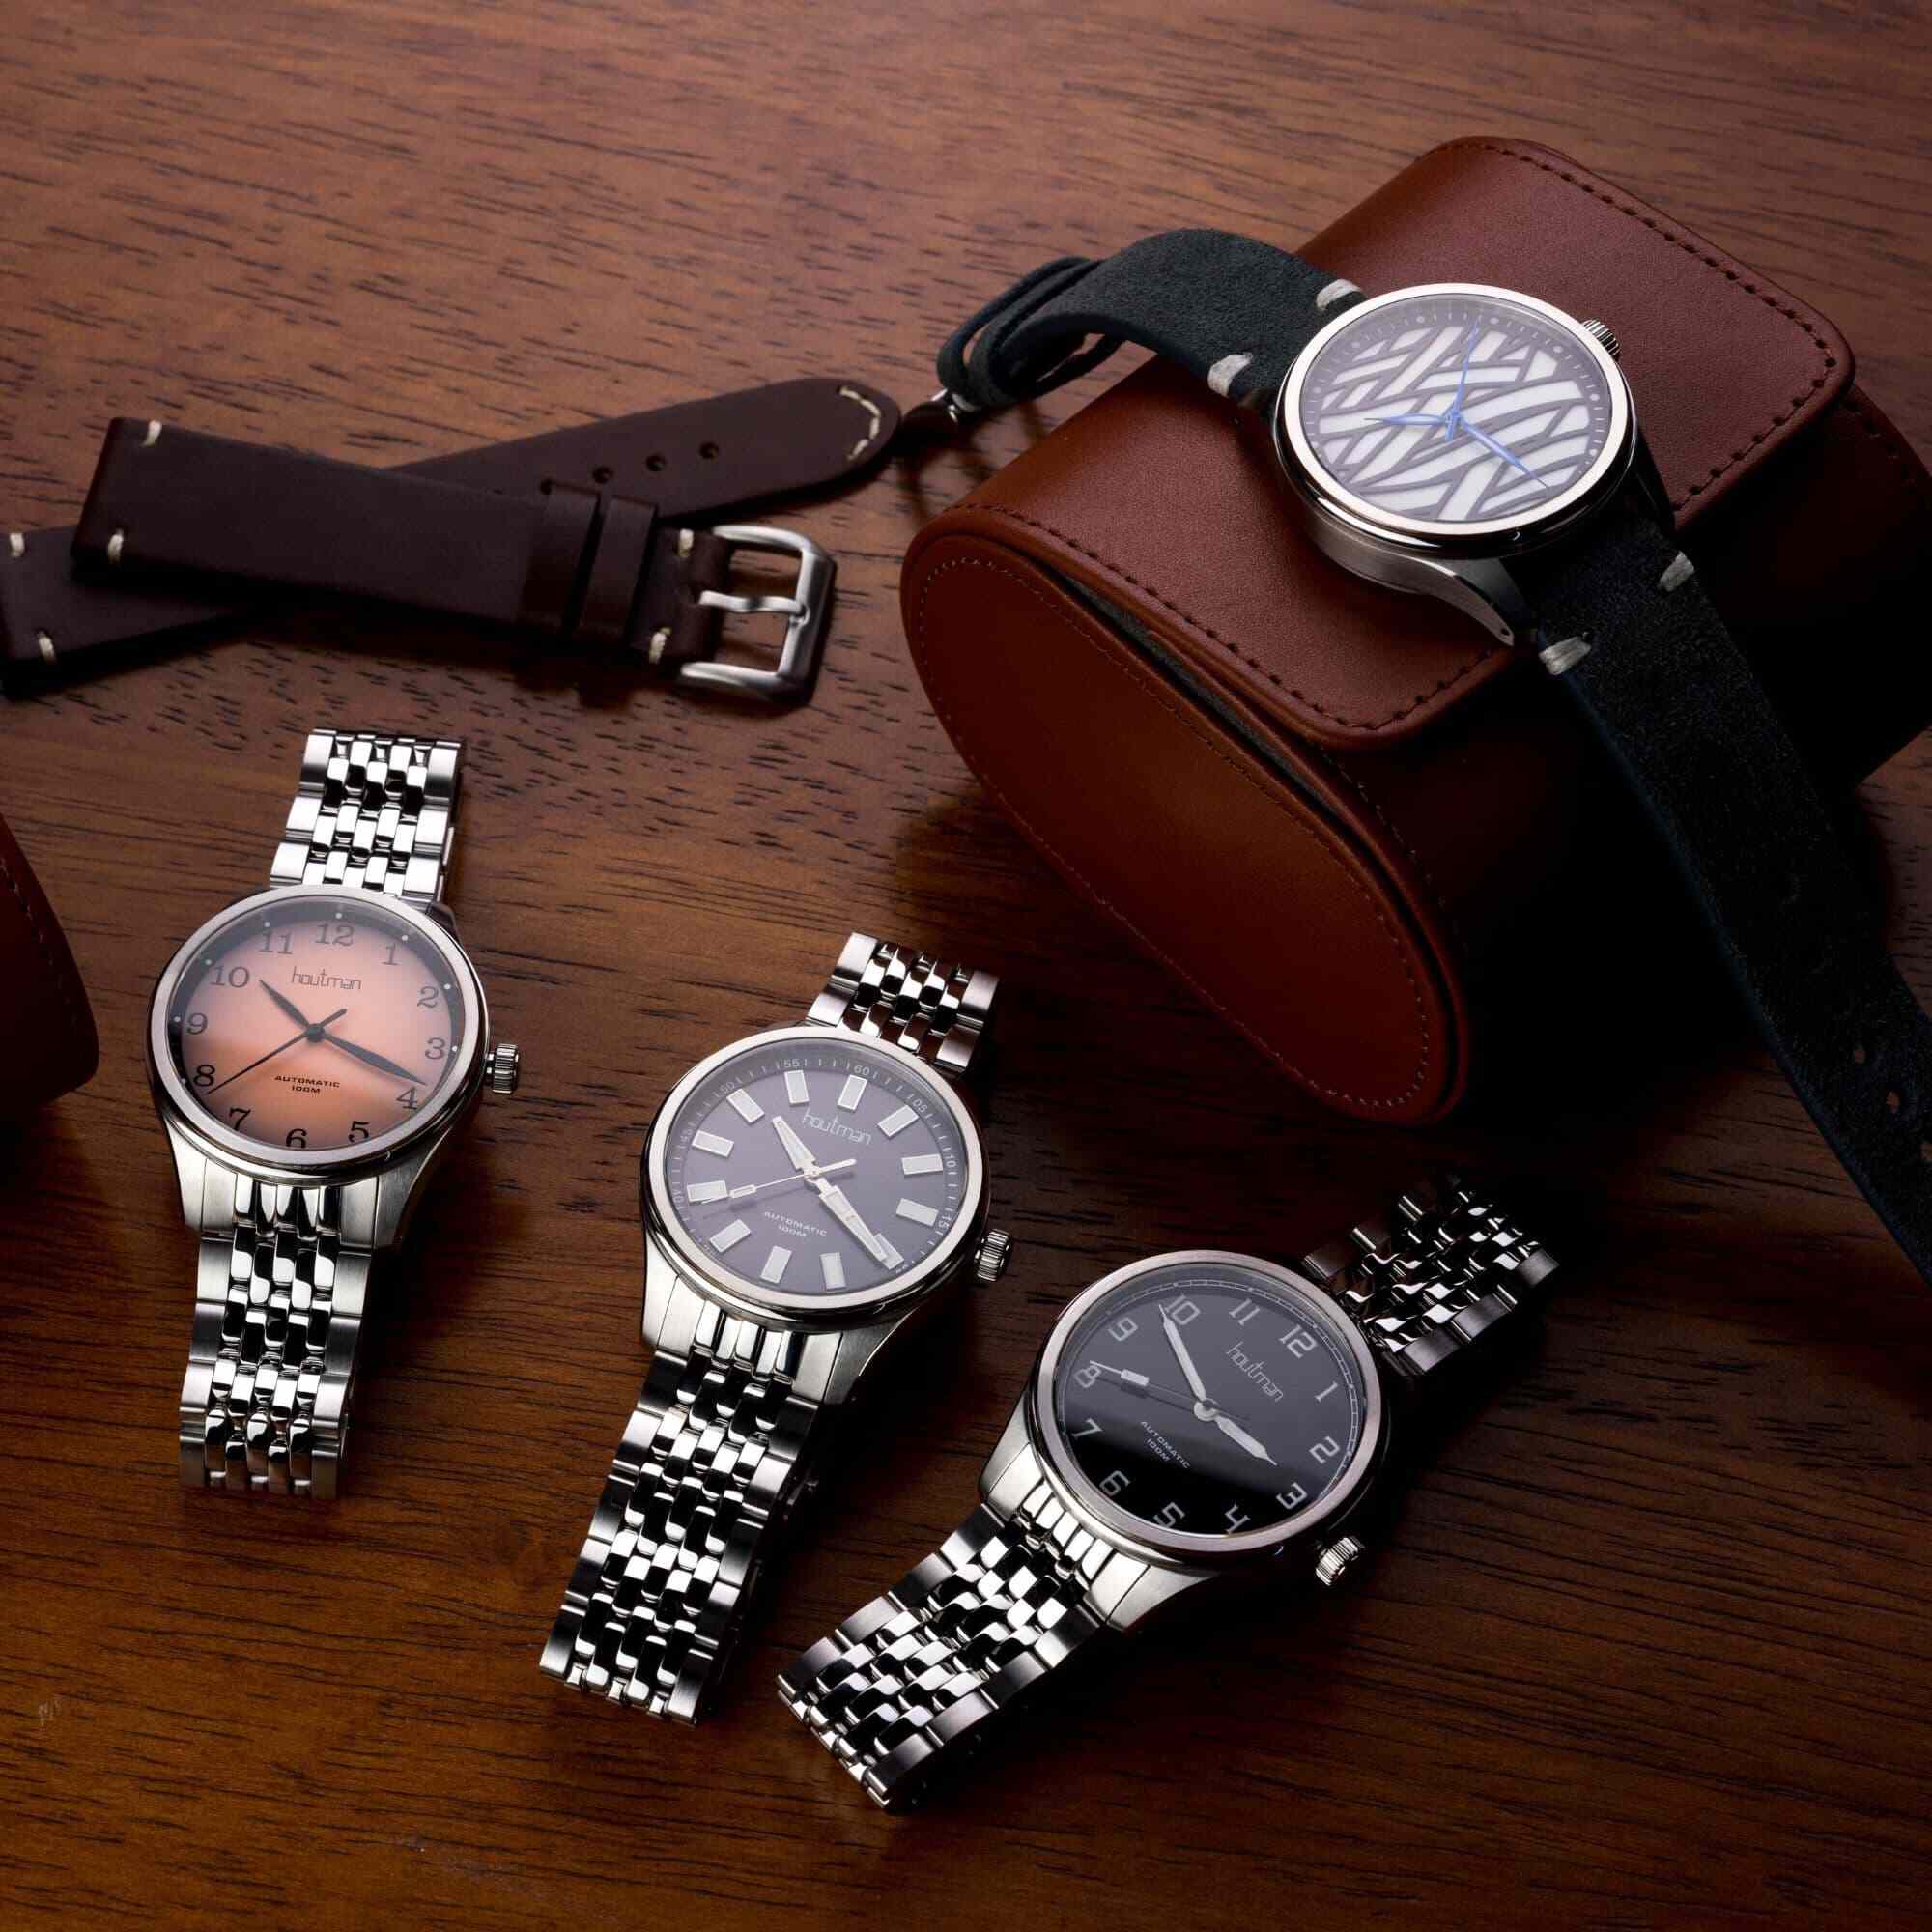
[1198, 1424]
[312, 1050]
[809, 1194]
[1478, 446]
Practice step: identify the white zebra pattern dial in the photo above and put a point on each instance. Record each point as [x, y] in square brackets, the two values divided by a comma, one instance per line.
[1458, 410]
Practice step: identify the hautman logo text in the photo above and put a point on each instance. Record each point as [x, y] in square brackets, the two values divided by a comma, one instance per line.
[819, 1124]
[298, 977]
[1254, 1373]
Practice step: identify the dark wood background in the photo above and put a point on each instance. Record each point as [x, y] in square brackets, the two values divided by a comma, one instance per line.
[1651, 1644]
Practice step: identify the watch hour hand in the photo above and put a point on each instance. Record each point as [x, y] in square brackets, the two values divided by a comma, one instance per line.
[296, 1039]
[286, 1004]
[1501, 449]
[1228, 1427]
[800, 1154]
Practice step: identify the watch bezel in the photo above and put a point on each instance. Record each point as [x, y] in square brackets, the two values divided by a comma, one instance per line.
[1136, 1533]
[758, 1302]
[1323, 495]
[299, 1167]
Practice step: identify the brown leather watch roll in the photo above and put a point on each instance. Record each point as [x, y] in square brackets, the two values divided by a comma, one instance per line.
[47, 1027]
[1358, 828]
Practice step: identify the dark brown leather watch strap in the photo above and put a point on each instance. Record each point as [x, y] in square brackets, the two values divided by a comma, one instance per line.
[624, 499]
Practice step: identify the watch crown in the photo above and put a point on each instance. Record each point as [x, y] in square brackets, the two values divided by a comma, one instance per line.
[1606, 335]
[502, 1068]
[989, 1260]
[1337, 1560]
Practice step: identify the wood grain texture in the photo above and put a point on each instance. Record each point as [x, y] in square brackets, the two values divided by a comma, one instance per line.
[1651, 1643]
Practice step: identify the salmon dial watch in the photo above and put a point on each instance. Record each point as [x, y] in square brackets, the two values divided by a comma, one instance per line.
[312, 1050]
[1198, 1424]
[1481, 446]
[810, 1194]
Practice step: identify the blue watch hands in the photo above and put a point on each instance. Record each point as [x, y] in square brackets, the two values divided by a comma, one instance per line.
[1453, 419]
[1501, 449]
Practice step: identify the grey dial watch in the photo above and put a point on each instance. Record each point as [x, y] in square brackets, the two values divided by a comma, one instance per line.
[1197, 1423]
[312, 1050]
[809, 1194]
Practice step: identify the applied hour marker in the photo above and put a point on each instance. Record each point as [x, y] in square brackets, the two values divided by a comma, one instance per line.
[921, 1163]
[730, 1235]
[711, 1143]
[707, 1190]
[918, 1210]
[897, 1122]
[774, 1269]
[852, 1093]
[796, 1091]
[833, 1268]
[749, 1110]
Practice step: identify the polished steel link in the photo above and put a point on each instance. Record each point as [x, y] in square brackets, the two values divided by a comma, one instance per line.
[1443, 1267]
[280, 1294]
[707, 1466]
[278, 1307]
[907, 999]
[1003, 1602]
[372, 814]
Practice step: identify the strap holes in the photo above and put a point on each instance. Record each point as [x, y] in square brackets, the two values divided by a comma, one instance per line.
[654, 461]
[1892, 1102]
[1860, 1056]
[708, 450]
[602, 474]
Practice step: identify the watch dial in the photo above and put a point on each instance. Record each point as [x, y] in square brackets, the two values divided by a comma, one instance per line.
[1277, 1420]
[1457, 408]
[316, 1023]
[815, 1169]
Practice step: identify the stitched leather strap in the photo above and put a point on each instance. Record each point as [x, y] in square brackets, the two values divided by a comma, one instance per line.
[1233, 310]
[1670, 694]
[692, 461]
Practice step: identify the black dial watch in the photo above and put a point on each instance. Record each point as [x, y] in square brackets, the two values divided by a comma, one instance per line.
[1478, 446]
[1197, 1424]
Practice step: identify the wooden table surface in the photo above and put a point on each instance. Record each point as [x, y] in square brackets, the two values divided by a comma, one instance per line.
[1651, 1643]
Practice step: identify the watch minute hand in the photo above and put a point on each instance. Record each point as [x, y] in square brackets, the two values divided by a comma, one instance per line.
[294, 1041]
[381, 1063]
[1181, 1355]
[834, 1197]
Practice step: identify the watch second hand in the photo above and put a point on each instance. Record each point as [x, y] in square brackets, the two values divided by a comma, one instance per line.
[306, 1033]
[788, 1180]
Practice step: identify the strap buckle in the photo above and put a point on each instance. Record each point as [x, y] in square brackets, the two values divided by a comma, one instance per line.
[804, 612]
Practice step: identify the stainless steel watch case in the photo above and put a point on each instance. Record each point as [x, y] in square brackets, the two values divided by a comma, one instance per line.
[399, 1159]
[671, 1256]
[1464, 566]
[1164, 1565]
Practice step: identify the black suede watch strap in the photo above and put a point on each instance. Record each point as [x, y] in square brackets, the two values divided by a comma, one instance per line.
[1631, 637]
[1234, 311]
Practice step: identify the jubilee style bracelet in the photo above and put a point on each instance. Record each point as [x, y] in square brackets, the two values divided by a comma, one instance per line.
[910, 1679]
[715, 1455]
[283, 1275]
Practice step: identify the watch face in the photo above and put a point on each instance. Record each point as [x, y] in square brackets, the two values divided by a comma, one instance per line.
[1456, 411]
[311, 1023]
[816, 1165]
[1209, 1396]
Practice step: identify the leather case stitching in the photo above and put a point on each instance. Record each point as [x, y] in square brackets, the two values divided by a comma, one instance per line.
[1697, 251]
[1165, 699]
[1207, 629]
